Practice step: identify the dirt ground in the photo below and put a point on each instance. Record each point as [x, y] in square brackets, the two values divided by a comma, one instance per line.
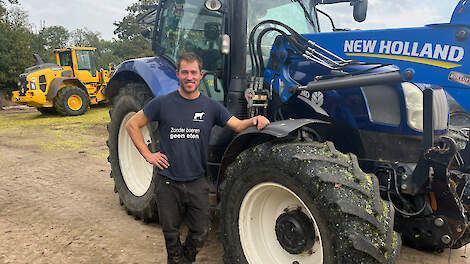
[57, 203]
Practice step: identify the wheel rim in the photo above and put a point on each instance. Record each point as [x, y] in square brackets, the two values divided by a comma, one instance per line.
[260, 208]
[75, 102]
[136, 171]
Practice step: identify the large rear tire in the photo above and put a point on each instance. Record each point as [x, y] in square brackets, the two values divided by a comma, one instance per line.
[303, 203]
[134, 178]
[71, 101]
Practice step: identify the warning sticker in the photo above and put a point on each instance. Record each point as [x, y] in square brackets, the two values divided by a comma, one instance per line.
[460, 78]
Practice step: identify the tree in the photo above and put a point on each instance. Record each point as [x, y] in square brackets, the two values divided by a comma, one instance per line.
[55, 37]
[47, 40]
[84, 37]
[136, 48]
[129, 28]
[15, 52]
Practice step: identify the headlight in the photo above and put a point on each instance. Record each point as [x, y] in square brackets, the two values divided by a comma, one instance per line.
[33, 86]
[414, 105]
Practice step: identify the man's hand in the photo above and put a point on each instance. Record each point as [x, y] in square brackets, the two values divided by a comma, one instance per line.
[158, 159]
[260, 121]
[239, 125]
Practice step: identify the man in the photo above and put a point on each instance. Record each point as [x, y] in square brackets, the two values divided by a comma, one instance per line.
[185, 118]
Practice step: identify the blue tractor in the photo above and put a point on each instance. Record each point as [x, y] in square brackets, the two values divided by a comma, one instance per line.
[357, 157]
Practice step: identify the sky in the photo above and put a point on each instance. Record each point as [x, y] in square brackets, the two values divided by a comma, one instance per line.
[98, 16]
[383, 14]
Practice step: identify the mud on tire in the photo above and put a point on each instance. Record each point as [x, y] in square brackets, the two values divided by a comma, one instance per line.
[352, 224]
[134, 179]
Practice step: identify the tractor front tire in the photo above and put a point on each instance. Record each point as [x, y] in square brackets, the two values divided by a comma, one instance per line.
[134, 178]
[71, 101]
[303, 203]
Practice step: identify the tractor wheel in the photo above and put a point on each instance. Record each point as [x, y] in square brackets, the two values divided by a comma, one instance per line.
[46, 110]
[303, 203]
[71, 101]
[134, 178]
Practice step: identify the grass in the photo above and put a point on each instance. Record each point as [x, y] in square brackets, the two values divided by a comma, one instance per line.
[85, 133]
[22, 120]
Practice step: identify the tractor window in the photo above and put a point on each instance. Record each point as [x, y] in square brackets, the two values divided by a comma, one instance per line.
[65, 58]
[286, 11]
[85, 61]
[187, 26]
[211, 86]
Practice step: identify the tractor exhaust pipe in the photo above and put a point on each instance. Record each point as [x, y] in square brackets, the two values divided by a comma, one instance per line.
[353, 81]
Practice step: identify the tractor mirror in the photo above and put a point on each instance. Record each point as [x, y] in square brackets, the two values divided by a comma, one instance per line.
[360, 10]
[213, 5]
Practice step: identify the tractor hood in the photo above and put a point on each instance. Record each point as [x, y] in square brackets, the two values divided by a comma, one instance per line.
[435, 54]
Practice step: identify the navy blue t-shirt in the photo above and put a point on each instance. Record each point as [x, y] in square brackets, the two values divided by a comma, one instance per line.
[185, 127]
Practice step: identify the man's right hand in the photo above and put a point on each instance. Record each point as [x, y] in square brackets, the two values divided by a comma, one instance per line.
[158, 159]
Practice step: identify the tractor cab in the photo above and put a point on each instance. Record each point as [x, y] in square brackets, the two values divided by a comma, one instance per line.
[212, 29]
[190, 26]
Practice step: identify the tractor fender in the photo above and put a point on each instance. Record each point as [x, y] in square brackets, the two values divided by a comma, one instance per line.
[158, 73]
[252, 137]
[57, 82]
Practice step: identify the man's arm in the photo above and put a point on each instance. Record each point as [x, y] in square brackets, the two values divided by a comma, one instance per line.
[239, 125]
[133, 127]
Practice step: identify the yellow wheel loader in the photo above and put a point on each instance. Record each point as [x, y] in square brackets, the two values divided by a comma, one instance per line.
[68, 87]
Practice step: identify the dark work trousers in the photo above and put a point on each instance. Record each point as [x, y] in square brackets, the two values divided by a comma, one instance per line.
[186, 202]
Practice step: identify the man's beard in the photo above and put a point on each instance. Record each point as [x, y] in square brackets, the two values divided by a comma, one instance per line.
[189, 90]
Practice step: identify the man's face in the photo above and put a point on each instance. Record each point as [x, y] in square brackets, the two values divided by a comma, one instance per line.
[189, 75]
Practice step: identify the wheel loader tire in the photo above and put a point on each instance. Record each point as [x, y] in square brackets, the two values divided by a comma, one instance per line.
[47, 110]
[134, 178]
[71, 101]
[303, 203]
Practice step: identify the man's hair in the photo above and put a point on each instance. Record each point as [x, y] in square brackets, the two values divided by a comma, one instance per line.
[188, 57]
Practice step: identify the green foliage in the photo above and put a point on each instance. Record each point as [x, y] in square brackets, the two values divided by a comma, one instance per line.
[15, 53]
[47, 40]
[129, 28]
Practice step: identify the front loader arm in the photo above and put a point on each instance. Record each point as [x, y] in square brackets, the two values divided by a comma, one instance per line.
[435, 54]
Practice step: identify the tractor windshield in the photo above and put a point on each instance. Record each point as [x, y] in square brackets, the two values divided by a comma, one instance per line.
[294, 13]
[289, 12]
[187, 26]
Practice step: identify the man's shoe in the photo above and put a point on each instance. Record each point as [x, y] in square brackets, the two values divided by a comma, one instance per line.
[178, 260]
[190, 253]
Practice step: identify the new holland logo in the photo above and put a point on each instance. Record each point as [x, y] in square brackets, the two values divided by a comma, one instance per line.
[459, 77]
[198, 117]
[444, 56]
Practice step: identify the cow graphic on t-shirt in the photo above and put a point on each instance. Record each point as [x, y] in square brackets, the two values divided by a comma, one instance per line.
[198, 117]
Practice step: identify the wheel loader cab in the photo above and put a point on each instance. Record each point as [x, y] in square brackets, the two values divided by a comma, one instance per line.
[80, 62]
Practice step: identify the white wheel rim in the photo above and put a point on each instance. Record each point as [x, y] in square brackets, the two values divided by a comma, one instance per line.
[260, 208]
[136, 171]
